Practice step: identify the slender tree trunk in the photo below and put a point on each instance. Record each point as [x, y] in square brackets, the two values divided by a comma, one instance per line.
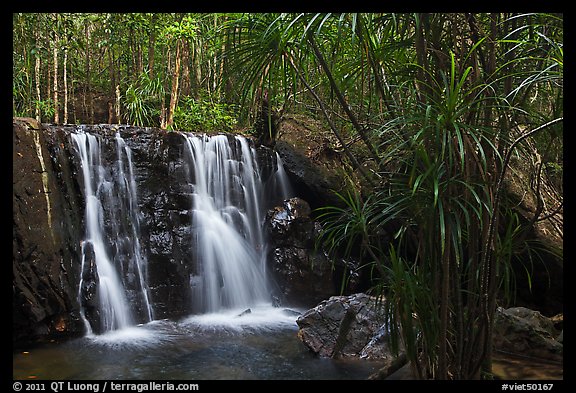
[37, 79]
[444, 300]
[488, 264]
[151, 43]
[175, 80]
[65, 77]
[185, 83]
[55, 87]
[198, 69]
[37, 74]
[421, 56]
[72, 96]
[114, 102]
[132, 53]
[48, 79]
[87, 88]
[118, 114]
[139, 58]
[221, 68]
[163, 114]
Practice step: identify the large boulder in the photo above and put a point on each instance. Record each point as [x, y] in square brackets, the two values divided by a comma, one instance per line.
[347, 326]
[519, 330]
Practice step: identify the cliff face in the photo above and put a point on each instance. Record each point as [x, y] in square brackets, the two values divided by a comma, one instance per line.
[47, 230]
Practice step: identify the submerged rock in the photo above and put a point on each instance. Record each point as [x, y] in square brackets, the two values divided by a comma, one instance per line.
[245, 312]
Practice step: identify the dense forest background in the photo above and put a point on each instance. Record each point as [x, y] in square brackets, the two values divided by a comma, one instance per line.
[431, 113]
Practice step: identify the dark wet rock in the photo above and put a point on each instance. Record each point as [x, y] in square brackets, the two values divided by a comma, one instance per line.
[526, 332]
[291, 312]
[46, 234]
[304, 277]
[89, 290]
[291, 224]
[347, 326]
[311, 183]
[303, 274]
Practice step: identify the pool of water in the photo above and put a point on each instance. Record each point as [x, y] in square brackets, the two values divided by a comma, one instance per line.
[260, 345]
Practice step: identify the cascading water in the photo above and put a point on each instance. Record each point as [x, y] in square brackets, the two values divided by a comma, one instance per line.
[228, 253]
[110, 190]
[130, 234]
[227, 224]
[281, 180]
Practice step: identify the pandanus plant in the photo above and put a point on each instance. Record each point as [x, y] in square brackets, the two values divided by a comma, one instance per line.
[440, 103]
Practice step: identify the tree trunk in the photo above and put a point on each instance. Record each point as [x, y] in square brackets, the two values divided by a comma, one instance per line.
[163, 118]
[114, 101]
[185, 88]
[37, 77]
[139, 58]
[198, 68]
[421, 56]
[221, 68]
[37, 74]
[55, 87]
[87, 88]
[65, 76]
[118, 117]
[151, 42]
[174, 93]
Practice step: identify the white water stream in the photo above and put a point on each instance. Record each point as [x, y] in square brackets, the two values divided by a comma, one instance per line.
[117, 192]
[227, 224]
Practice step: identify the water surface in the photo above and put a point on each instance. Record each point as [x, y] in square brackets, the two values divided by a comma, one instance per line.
[260, 345]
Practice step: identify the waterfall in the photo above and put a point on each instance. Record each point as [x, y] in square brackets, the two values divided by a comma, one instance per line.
[131, 234]
[281, 179]
[111, 253]
[226, 267]
[227, 224]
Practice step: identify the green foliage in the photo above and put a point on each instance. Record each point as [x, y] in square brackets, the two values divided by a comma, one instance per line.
[187, 28]
[204, 115]
[141, 99]
[448, 260]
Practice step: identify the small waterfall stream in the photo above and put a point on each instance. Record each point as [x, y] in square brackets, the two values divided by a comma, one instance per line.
[131, 233]
[112, 305]
[111, 254]
[227, 224]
